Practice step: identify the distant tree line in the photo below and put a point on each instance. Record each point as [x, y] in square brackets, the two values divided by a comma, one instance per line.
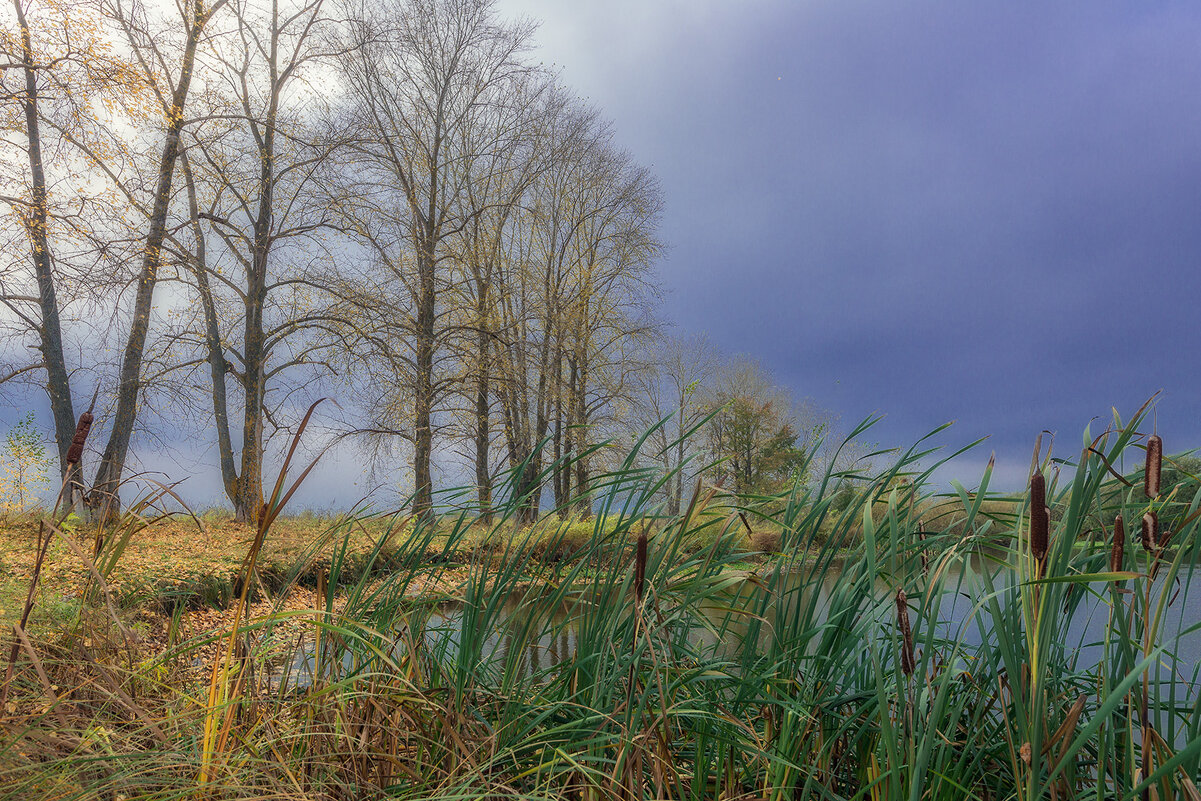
[218, 210]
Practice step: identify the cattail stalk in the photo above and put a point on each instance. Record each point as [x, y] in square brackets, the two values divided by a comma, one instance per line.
[1154, 462]
[640, 568]
[639, 590]
[1039, 522]
[908, 665]
[1118, 549]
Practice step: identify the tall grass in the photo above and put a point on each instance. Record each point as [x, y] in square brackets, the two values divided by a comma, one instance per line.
[942, 656]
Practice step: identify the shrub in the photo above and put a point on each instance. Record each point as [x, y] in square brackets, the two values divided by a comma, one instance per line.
[26, 467]
[766, 542]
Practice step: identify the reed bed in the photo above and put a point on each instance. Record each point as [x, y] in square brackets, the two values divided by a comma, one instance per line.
[939, 660]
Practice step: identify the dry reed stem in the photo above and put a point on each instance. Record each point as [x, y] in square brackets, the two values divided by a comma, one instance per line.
[221, 694]
[52, 699]
[43, 546]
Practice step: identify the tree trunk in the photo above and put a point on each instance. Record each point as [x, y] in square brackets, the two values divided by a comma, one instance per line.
[531, 482]
[508, 411]
[561, 467]
[557, 454]
[569, 452]
[108, 478]
[58, 386]
[249, 501]
[676, 498]
[483, 475]
[583, 500]
[529, 489]
[523, 460]
[423, 499]
[218, 368]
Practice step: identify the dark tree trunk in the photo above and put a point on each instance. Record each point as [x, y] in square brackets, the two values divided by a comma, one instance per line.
[531, 484]
[423, 400]
[507, 410]
[529, 488]
[249, 503]
[58, 386]
[583, 498]
[218, 368]
[108, 476]
[483, 475]
[569, 453]
[559, 467]
[676, 497]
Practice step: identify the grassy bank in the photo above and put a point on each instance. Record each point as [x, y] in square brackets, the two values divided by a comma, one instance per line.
[814, 682]
[196, 561]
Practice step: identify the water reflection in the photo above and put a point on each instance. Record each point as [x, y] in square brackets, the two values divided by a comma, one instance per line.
[531, 639]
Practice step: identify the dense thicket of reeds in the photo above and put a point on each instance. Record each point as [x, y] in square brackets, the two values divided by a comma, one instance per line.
[943, 661]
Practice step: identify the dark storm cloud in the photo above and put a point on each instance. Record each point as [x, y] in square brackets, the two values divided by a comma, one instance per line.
[982, 212]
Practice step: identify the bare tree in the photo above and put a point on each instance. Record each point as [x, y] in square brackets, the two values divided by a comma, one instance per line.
[571, 286]
[170, 82]
[421, 73]
[255, 208]
[500, 241]
[72, 65]
[493, 196]
[614, 247]
[533, 281]
[35, 216]
[672, 403]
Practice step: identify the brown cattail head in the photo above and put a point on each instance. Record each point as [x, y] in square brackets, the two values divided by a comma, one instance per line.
[75, 452]
[1039, 523]
[1150, 531]
[907, 662]
[1118, 549]
[640, 567]
[1154, 461]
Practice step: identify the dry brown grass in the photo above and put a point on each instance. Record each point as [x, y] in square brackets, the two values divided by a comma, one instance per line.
[173, 560]
[766, 542]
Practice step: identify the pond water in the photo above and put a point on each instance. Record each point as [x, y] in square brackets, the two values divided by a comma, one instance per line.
[539, 645]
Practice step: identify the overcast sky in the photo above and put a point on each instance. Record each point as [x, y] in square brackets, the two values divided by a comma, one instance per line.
[987, 212]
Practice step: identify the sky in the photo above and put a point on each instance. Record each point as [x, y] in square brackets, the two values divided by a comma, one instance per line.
[986, 212]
